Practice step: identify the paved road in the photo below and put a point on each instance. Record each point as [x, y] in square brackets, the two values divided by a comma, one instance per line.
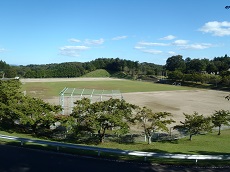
[17, 159]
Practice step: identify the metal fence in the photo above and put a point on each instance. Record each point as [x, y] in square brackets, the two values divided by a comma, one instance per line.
[118, 151]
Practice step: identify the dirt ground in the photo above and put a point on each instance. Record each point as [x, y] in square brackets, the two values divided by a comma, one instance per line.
[176, 102]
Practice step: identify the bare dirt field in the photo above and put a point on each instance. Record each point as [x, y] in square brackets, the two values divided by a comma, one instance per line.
[176, 102]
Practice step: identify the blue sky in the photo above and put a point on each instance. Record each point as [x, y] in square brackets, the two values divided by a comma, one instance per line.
[55, 31]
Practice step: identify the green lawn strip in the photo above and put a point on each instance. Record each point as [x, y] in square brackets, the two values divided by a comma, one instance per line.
[49, 89]
[209, 144]
[201, 144]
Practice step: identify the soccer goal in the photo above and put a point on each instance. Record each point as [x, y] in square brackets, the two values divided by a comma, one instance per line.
[68, 96]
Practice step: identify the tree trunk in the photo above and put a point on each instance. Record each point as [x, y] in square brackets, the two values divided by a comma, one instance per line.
[190, 137]
[101, 135]
[219, 130]
[149, 139]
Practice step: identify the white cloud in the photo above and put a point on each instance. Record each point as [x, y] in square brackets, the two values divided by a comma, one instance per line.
[139, 47]
[197, 46]
[152, 44]
[119, 38]
[151, 51]
[180, 42]
[74, 40]
[171, 53]
[94, 42]
[169, 37]
[73, 51]
[2, 50]
[216, 28]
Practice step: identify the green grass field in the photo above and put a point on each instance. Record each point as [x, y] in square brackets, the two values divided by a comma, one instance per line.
[50, 89]
[201, 144]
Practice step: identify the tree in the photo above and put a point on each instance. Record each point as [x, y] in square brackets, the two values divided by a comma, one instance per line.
[175, 62]
[195, 65]
[153, 122]
[10, 97]
[215, 79]
[175, 75]
[36, 115]
[101, 116]
[17, 110]
[211, 68]
[82, 116]
[219, 118]
[194, 124]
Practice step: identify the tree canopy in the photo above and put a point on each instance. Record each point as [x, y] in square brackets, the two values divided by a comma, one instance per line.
[194, 124]
[101, 116]
[153, 122]
[19, 110]
[220, 118]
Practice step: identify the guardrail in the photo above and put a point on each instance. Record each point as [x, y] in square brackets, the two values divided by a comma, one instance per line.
[118, 151]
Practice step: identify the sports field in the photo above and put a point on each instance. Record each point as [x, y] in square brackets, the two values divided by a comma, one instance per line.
[158, 97]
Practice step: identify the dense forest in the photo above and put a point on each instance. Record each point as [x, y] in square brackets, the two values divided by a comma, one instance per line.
[212, 71]
[77, 69]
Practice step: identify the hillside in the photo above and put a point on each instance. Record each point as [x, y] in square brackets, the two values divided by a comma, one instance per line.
[97, 74]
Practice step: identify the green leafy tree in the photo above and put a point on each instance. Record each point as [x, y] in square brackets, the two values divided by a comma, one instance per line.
[215, 79]
[83, 116]
[10, 98]
[194, 124]
[175, 62]
[175, 75]
[153, 122]
[211, 68]
[220, 118]
[195, 65]
[204, 78]
[37, 115]
[17, 110]
[102, 116]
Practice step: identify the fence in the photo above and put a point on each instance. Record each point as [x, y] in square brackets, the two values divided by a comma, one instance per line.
[118, 151]
[68, 96]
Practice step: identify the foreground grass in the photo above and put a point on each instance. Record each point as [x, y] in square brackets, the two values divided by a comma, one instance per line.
[210, 144]
[50, 89]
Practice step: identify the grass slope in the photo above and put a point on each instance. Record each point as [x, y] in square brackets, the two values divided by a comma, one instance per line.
[97, 73]
[208, 144]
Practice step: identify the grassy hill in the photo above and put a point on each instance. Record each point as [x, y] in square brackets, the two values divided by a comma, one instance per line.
[97, 73]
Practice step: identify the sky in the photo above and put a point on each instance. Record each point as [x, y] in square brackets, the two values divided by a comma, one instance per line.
[56, 31]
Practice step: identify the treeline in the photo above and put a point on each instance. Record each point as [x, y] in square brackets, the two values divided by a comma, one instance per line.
[77, 69]
[213, 71]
